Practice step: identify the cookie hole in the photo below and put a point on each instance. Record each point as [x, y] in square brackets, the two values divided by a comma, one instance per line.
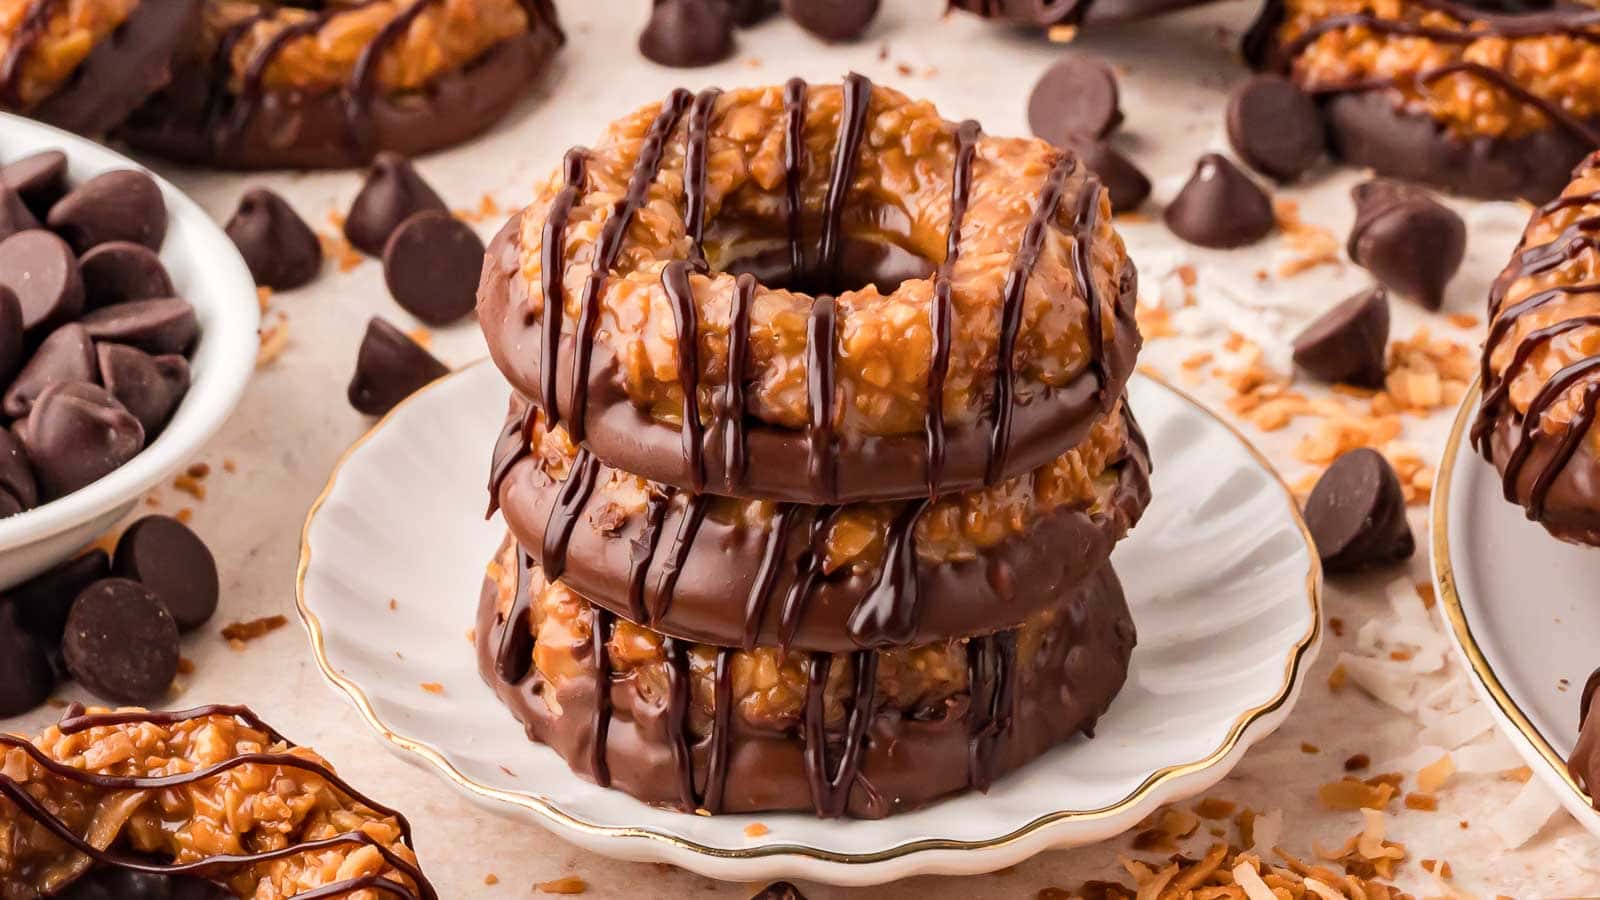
[861, 262]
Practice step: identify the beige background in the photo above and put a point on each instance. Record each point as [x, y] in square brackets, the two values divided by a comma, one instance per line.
[293, 424]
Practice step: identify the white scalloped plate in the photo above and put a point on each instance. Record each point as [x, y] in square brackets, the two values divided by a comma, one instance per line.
[1221, 577]
[1521, 609]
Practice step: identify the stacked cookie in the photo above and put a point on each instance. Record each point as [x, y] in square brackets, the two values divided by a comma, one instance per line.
[751, 565]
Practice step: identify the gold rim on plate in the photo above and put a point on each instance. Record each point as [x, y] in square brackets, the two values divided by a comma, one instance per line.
[548, 810]
[1444, 581]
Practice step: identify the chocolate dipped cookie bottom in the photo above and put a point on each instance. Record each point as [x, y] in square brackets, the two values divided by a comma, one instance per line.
[122, 70]
[200, 120]
[1405, 88]
[864, 735]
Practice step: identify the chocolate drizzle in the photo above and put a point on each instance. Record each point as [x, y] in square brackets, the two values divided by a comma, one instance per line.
[808, 568]
[675, 283]
[733, 396]
[76, 721]
[830, 786]
[694, 512]
[1015, 293]
[991, 681]
[794, 150]
[603, 626]
[1570, 22]
[552, 268]
[515, 655]
[609, 246]
[887, 615]
[1497, 388]
[821, 385]
[846, 155]
[678, 719]
[939, 317]
[569, 504]
[694, 174]
[511, 447]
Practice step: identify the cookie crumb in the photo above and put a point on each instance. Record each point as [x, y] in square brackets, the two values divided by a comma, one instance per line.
[240, 633]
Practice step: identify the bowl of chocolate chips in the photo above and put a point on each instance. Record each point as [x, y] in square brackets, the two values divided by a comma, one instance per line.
[128, 329]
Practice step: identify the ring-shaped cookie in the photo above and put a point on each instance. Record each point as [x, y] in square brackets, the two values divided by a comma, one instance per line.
[865, 735]
[211, 793]
[273, 85]
[84, 65]
[1541, 365]
[994, 283]
[833, 579]
[1482, 103]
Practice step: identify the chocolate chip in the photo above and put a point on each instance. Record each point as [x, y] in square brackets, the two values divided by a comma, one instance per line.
[1348, 343]
[14, 214]
[1129, 187]
[162, 554]
[26, 676]
[40, 179]
[389, 368]
[750, 12]
[834, 21]
[120, 271]
[13, 345]
[685, 34]
[44, 600]
[66, 355]
[126, 884]
[281, 250]
[18, 490]
[76, 434]
[124, 205]
[120, 642]
[163, 325]
[431, 264]
[43, 272]
[1075, 98]
[779, 890]
[149, 386]
[1220, 206]
[1410, 242]
[1357, 514]
[392, 193]
[1275, 127]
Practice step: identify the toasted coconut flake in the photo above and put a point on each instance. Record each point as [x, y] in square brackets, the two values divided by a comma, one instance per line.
[1268, 828]
[1435, 775]
[1254, 888]
[1493, 755]
[1370, 843]
[1460, 727]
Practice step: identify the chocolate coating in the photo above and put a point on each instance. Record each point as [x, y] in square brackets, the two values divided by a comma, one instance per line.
[1050, 13]
[723, 567]
[908, 760]
[121, 643]
[877, 468]
[123, 69]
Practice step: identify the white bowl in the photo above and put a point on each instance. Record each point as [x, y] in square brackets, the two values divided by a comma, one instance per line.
[1220, 575]
[207, 272]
